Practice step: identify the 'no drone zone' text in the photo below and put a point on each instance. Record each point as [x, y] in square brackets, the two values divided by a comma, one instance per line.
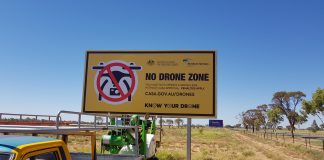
[178, 76]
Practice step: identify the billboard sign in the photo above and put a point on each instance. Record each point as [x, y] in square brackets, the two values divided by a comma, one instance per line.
[174, 83]
[216, 123]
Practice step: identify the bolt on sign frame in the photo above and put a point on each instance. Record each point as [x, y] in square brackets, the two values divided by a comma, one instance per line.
[179, 83]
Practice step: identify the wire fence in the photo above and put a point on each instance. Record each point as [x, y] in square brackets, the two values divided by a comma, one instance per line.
[310, 141]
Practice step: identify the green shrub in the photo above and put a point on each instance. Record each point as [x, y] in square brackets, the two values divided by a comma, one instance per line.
[164, 155]
[201, 131]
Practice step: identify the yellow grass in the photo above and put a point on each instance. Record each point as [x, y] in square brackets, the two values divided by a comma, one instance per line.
[217, 144]
[209, 144]
[223, 144]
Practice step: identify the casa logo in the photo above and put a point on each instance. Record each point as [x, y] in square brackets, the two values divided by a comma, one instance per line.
[191, 62]
[186, 60]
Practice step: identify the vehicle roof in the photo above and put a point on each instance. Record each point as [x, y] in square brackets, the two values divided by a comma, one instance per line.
[8, 143]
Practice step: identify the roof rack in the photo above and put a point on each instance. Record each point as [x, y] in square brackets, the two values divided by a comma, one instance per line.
[60, 128]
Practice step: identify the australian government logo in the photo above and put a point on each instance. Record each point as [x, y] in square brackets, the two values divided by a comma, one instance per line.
[152, 62]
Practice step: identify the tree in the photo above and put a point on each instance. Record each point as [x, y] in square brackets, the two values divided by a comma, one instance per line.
[99, 120]
[314, 127]
[287, 102]
[243, 120]
[315, 106]
[288, 128]
[262, 116]
[161, 120]
[237, 125]
[178, 121]
[250, 119]
[182, 122]
[169, 122]
[275, 117]
[228, 126]
[28, 119]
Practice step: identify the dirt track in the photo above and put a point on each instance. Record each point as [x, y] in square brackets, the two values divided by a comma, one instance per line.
[270, 151]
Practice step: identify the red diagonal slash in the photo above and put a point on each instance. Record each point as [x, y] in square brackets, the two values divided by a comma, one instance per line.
[113, 78]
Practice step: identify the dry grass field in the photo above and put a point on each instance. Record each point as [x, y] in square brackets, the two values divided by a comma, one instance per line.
[219, 144]
[224, 144]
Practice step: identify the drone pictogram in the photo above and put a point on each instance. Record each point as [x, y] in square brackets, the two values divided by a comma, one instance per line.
[116, 81]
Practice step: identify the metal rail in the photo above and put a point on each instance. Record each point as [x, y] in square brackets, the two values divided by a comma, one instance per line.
[60, 129]
[27, 115]
[80, 114]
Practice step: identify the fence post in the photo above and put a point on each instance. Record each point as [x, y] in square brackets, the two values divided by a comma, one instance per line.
[107, 124]
[309, 144]
[95, 121]
[79, 120]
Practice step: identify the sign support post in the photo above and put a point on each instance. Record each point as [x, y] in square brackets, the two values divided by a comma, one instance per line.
[188, 138]
[161, 124]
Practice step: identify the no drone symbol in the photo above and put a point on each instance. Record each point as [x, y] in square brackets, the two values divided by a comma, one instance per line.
[116, 81]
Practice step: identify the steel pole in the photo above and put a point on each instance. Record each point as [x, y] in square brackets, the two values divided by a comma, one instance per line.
[161, 130]
[188, 138]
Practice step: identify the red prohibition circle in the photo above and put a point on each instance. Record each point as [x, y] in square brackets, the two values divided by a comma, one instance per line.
[113, 78]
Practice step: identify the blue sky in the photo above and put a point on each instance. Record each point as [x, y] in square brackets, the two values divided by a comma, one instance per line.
[263, 47]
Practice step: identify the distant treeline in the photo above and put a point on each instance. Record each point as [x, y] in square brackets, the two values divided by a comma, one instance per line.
[285, 105]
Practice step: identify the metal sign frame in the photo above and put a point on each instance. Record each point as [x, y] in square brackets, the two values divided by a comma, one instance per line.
[214, 79]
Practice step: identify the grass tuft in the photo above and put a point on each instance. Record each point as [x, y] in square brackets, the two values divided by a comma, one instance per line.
[248, 153]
